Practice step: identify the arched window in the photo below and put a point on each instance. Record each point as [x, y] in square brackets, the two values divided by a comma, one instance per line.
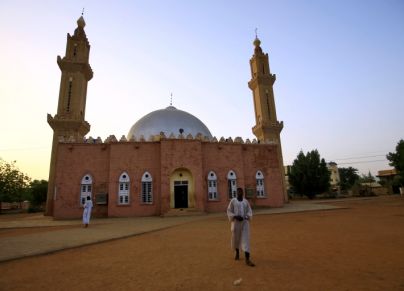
[147, 188]
[123, 189]
[212, 186]
[86, 188]
[232, 184]
[260, 184]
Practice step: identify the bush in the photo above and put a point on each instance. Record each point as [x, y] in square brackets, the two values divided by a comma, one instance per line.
[34, 209]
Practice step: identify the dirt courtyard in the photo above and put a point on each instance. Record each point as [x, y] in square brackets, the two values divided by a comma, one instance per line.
[359, 247]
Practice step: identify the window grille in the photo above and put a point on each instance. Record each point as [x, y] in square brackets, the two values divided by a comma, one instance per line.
[123, 190]
[86, 188]
[232, 184]
[147, 189]
[260, 184]
[212, 186]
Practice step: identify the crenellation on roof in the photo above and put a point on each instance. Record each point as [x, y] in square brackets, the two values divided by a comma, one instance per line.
[157, 138]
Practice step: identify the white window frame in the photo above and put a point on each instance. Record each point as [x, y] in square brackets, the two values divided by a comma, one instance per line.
[146, 194]
[86, 188]
[212, 186]
[124, 189]
[232, 184]
[260, 189]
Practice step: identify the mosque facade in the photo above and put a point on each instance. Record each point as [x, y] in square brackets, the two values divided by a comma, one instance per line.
[168, 162]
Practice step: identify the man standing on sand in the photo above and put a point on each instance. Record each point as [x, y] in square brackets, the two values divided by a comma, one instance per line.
[239, 213]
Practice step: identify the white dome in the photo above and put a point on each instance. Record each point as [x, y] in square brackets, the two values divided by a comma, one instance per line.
[169, 120]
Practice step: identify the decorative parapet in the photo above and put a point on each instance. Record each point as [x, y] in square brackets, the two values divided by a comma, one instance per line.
[98, 140]
[199, 136]
[238, 139]
[110, 139]
[162, 136]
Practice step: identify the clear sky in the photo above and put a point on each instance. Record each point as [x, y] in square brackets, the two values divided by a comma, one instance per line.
[339, 67]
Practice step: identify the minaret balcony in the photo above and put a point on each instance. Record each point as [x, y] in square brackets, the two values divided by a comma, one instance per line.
[59, 123]
[268, 80]
[66, 65]
[272, 126]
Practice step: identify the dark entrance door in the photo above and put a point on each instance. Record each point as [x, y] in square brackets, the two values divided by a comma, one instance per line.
[181, 196]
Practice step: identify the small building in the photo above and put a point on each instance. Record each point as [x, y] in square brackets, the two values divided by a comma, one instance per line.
[387, 178]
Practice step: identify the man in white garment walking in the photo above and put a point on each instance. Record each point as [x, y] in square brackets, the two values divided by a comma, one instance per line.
[239, 213]
[88, 205]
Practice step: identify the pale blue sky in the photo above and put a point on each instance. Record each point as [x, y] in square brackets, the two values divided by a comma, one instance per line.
[339, 67]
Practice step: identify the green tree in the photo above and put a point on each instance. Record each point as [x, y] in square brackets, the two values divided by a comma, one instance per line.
[13, 183]
[348, 177]
[397, 160]
[309, 174]
[38, 190]
[369, 178]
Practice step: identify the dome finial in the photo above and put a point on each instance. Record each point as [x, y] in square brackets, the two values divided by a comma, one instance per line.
[257, 41]
[80, 22]
[171, 100]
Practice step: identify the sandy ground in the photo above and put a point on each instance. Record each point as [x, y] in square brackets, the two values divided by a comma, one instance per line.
[357, 248]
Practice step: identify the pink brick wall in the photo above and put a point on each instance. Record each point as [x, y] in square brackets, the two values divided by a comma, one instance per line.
[106, 162]
[73, 162]
[135, 159]
[244, 160]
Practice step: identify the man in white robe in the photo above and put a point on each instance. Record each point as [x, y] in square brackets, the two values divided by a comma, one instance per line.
[239, 213]
[88, 205]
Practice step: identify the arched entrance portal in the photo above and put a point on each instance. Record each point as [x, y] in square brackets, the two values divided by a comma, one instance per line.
[182, 189]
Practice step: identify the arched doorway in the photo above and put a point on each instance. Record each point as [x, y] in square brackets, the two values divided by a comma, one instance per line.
[182, 189]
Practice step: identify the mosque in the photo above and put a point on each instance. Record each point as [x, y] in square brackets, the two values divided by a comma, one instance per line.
[168, 162]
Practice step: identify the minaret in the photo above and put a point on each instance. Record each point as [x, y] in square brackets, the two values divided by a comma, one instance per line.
[69, 124]
[267, 127]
